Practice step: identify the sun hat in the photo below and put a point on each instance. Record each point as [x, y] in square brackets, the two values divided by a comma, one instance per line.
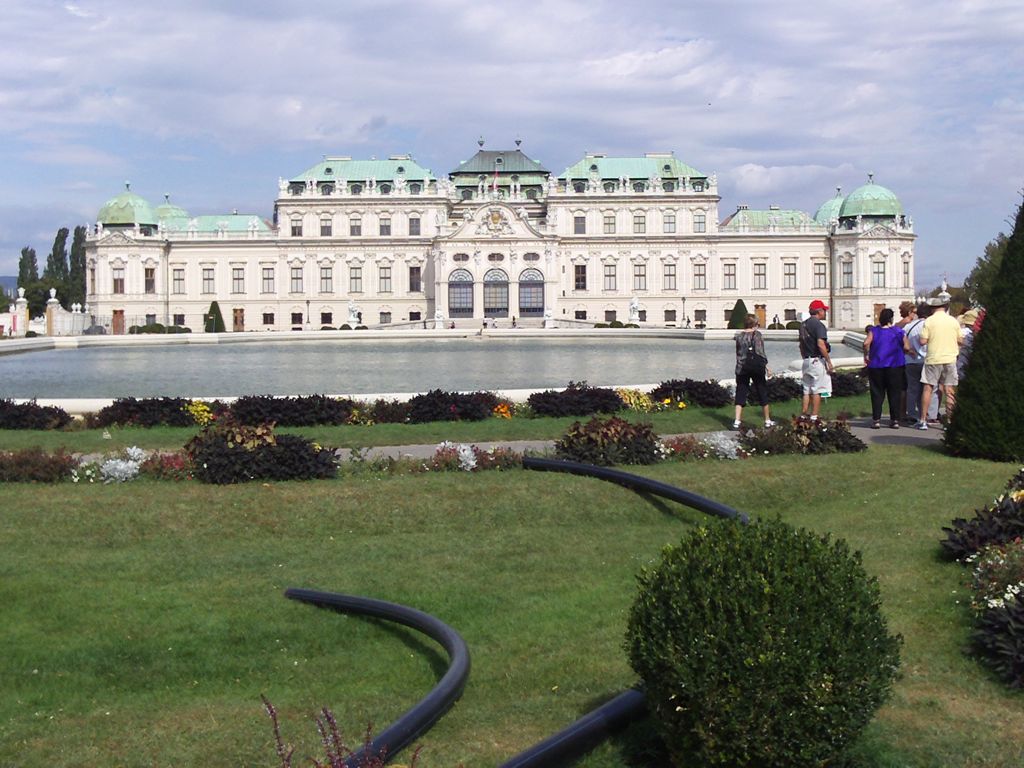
[818, 304]
[938, 301]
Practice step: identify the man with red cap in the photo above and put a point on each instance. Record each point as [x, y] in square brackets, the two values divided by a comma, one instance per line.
[817, 367]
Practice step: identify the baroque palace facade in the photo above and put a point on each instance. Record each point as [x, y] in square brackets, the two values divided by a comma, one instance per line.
[388, 243]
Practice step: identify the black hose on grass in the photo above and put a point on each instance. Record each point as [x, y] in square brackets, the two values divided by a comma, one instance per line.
[419, 719]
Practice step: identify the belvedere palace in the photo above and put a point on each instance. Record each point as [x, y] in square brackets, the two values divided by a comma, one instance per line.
[499, 237]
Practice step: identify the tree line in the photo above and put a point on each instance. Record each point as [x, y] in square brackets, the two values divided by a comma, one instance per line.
[64, 271]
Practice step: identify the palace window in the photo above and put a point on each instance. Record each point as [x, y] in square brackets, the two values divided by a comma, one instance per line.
[326, 226]
[385, 318]
[760, 276]
[414, 225]
[179, 320]
[296, 284]
[177, 280]
[669, 222]
[580, 277]
[639, 277]
[579, 225]
[700, 317]
[670, 277]
[847, 274]
[415, 282]
[700, 277]
[118, 275]
[415, 315]
[878, 274]
[385, 226]
[238, 279]
[495, 257]
[355, 279]
[639, 186]
[789, 315]
[150, 279]
[789, 275]
[699, 222]
[609, 223]
[668, 186]
[906, 274]
[670, 315]
[208, 280]
[326, 279]
[297, 318]
[610, 315]
[384, 279]
[296, 226]
[819, 276]
[326, 318]
[267, 285]
[460, 257]
[415, 189]
[639, 223]
[609, 277]
[531, 257]
[268, 318]
[355, 226]
[728, 277]
[580, 314]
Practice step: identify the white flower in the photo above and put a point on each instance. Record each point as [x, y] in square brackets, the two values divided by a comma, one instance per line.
[467, 458]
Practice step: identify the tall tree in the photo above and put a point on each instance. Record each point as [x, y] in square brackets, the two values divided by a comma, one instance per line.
[989, 409]
[978, 284]
[76, 268]
[56, 272]
[28, 267]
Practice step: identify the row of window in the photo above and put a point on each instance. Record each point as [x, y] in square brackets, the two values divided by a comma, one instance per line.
[355, 226]
[612, 187]
[668, 223]
[267, 280]
[760, 277]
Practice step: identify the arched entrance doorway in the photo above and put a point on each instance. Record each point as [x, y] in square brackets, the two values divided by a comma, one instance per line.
[495, 293]
[460, 293]
[531, 293]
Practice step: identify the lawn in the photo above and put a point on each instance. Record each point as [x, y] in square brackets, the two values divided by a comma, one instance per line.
[140, 623]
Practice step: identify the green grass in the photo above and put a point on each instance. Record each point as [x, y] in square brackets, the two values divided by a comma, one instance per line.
[141, 622]
[81, 440]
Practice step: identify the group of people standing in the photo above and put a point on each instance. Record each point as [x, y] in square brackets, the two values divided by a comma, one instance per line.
[910, 363]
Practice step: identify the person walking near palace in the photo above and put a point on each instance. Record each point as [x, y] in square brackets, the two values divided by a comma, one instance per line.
[751, 370]
[941, 332]
[816, 369]
[916, 352]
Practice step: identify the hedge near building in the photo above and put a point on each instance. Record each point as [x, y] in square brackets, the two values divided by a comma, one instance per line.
[988, 420]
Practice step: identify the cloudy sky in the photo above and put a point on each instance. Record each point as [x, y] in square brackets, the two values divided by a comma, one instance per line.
[211, 101]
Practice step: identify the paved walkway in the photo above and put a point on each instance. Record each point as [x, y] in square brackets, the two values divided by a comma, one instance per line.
[861, 427]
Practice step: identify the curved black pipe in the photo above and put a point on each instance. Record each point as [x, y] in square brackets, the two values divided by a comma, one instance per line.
[637, 483]
[417, 720]
[582, 736]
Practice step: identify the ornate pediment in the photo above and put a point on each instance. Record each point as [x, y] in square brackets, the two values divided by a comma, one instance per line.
[880, 231]
[117, 237]
[496, 221]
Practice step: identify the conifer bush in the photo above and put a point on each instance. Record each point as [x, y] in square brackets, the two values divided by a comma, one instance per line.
[760, 645]
[739, 315]
[988, 420]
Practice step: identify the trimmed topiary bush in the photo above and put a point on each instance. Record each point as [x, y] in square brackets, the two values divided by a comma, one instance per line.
[214, 322]
[793, 325]
[760, 645]
[706, 394]
[577, 399]
[31, 415]
[989, 412]
[606, 442]
[738, 317]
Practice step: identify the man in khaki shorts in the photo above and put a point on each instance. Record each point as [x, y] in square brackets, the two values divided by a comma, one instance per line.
[816, 368]
[941, 332]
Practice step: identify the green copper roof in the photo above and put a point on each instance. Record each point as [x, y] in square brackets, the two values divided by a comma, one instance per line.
[505, 161]
[338, 168]
[127, 209]
[764, 220]
[231, 223]
[829, 209]
[871, 200]
[169, 211]
[632, 167]
[504, 179]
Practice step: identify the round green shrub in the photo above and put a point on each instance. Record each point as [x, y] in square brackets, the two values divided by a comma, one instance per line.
[793, 325]
[760, 645]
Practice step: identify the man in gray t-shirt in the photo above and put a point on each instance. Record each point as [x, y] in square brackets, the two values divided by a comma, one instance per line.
[816, 369]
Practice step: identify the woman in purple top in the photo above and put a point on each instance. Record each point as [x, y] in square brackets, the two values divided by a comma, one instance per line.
[884, 350]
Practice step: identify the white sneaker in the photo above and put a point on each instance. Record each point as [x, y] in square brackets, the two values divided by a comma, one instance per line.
[736, 425]
[768, 424]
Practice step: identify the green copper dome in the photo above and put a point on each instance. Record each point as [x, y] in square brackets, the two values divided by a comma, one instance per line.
[127, 209]
[830, 208]
[871, 200]
[170, 211]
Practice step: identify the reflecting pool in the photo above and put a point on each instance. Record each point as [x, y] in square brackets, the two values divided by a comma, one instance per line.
[368, 366]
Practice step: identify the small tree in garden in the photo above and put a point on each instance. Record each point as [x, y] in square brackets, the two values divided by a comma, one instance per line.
[739, 315]
[989, 408]
[214, 319]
